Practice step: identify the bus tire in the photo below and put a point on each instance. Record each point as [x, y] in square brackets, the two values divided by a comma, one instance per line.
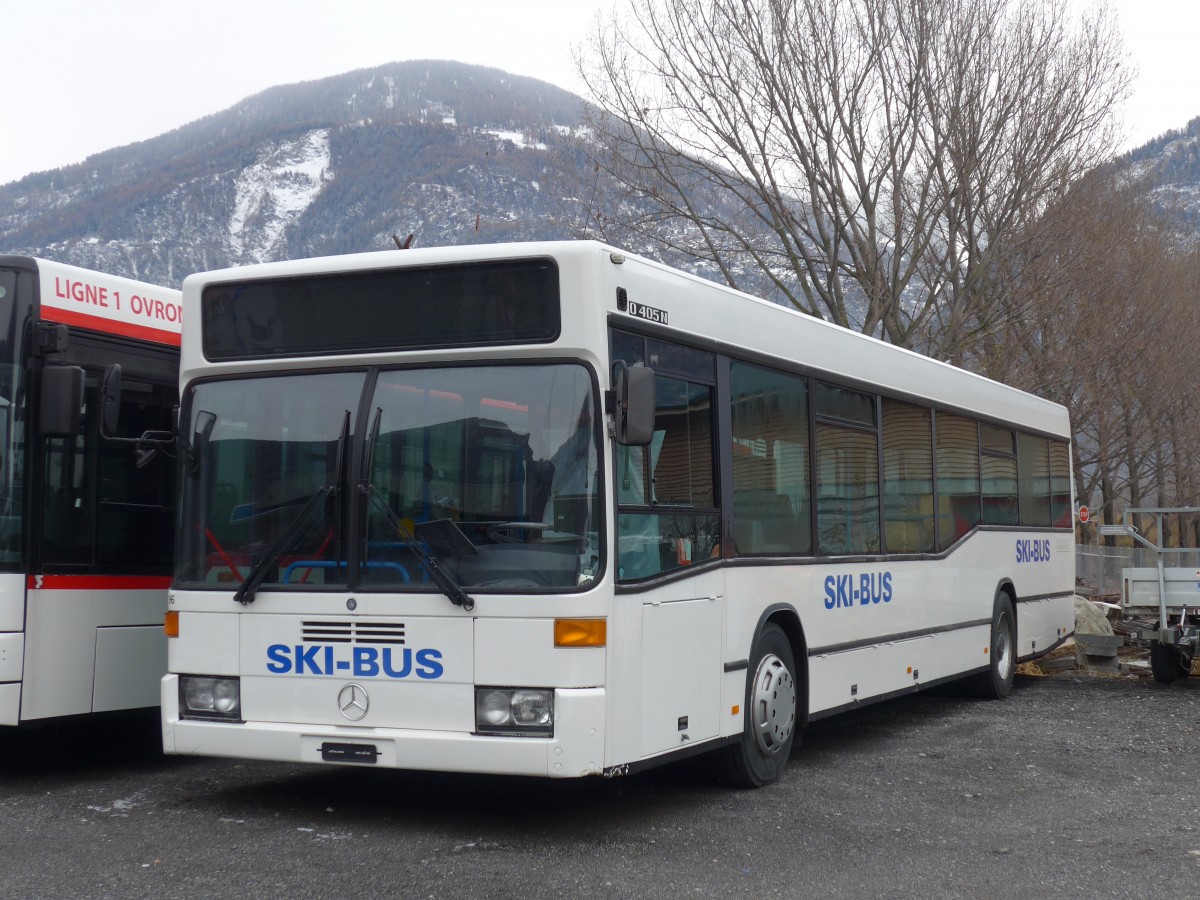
[1165, 664]
[760, 755]
[997, 682]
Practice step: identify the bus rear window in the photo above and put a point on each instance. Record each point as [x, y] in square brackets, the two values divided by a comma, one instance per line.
[508, 302]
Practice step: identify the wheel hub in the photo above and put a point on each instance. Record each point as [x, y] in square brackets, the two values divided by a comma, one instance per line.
[772, 705]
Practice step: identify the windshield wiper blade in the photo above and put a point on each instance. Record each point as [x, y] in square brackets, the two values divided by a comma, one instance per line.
[245, 592]
[444, 580]
[247, 589]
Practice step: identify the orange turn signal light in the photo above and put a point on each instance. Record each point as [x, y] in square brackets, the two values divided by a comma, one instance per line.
[580, 632]
[171, 624]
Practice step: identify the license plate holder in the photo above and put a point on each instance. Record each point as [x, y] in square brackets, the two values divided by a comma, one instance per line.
[349, 753]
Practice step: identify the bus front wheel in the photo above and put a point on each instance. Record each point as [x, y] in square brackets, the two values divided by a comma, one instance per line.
[997, 682]
[760, 755]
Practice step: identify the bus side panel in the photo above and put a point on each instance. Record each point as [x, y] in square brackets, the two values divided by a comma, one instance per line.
[906, 663]
[838, 679]
[1044, 623]
[12, 646]
[965, 650]
[12, 602]
[130, 661]
[878, 627]
[10, 704]
[1040, 625]
[681, 674]
[61, 654]
[12, 655]
[61, 648]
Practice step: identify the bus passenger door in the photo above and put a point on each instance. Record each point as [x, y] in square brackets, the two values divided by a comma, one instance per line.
[668, 532]
[94, 639]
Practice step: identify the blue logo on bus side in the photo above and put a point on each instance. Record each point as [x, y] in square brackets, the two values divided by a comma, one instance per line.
[863, 590]
[364, 662]
[1033, 551]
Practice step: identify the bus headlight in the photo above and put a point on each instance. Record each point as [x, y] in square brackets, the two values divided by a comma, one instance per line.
[205, 697]
[514, 711]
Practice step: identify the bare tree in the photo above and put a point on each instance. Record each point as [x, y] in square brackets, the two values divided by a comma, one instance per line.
[1113, 321]
[877, 160]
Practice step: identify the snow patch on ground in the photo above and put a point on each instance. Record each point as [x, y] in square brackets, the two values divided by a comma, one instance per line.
[517, 138]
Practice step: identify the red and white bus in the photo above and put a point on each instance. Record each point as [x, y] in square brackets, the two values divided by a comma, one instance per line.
[86, 522]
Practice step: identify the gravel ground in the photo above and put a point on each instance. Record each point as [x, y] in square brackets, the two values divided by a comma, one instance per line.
[1074, 786]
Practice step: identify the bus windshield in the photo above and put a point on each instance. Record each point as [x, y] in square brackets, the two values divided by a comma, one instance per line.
[490, 470]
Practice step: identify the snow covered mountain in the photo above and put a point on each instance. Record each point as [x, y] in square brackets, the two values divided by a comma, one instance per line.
[1168, 171]
[451, 153]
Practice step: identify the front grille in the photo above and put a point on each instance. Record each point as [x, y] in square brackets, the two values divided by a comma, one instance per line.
[352, 632]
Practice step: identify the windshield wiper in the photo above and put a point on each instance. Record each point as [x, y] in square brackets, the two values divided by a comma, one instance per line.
[444, 580]
[247, 589]
[245, 592]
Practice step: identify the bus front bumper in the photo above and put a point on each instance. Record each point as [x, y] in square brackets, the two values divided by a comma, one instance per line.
[577, 748]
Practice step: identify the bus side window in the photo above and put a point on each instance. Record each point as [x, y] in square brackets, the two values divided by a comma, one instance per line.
[957, 456]
[66, 523]
[908, 510]
[771, 499]
[98, 506]
[847, 467]
[1061, 507]
[998, 462]
[672, 480]
[135, 509]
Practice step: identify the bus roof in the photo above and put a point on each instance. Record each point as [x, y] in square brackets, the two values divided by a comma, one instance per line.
[720, 317]
[100, 302]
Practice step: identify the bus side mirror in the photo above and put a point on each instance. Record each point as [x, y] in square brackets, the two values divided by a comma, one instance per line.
[62, 397]
[110, 401]
[200, 437]
[634, 415]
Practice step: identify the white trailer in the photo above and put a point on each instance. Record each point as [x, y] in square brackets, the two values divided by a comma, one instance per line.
[1165, 597]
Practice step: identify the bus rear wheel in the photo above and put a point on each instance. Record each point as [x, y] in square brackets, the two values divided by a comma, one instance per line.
[760, 755]
[997, 682]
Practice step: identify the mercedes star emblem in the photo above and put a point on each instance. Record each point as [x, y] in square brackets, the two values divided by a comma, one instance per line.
[353, 701]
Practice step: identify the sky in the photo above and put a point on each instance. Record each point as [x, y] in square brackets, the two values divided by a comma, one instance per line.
[80, 76]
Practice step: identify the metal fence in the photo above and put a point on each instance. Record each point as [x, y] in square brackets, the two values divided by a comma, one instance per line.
[1099, 568]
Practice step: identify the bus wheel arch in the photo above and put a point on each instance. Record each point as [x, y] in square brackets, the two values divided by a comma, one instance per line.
[787, 620]
[775, 705]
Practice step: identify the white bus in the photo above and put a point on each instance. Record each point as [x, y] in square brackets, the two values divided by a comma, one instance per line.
[551, 509]
[86, 521]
